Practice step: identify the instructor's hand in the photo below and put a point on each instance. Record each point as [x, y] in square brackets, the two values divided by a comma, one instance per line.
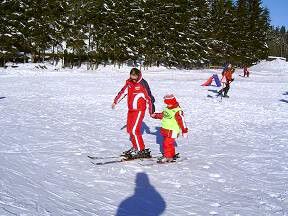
[113, 105]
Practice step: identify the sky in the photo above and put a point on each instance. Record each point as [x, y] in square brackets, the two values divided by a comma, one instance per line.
[278, 11]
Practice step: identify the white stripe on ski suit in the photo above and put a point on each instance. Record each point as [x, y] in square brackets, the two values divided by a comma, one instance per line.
[134, 129]
[182, 117]
[136, 98]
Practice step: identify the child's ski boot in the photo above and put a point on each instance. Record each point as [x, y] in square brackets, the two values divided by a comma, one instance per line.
[164, 159]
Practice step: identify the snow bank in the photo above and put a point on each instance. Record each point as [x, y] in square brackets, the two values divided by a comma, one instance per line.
[277, 65]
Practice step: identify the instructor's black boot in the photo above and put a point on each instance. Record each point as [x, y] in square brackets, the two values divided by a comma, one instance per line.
[131, 151]
[145, 153]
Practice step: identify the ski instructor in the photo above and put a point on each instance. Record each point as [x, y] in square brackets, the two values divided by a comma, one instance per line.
[139, 95]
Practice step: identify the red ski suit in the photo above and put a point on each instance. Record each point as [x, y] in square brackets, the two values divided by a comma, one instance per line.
[139, 95]
[246, 72]
[168, 135]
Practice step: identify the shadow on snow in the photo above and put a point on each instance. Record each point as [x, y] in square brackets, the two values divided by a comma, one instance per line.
[282, 100]
[145, 201]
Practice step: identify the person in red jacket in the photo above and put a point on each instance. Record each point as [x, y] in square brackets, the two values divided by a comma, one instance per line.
[138, 95]
[227, 79]
[246, 72]
[172, 122]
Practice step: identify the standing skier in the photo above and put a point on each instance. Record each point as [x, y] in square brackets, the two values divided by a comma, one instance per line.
[139, 95]
[246, 72]
[227, 79]
[172, 122]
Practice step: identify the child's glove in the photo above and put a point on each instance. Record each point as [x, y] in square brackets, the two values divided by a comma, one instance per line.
[185, 132]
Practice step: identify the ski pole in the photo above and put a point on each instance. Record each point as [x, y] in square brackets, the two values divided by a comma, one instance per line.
[222, 91]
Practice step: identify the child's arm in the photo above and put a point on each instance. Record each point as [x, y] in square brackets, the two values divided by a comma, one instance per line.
[179, 116]
[157, 115]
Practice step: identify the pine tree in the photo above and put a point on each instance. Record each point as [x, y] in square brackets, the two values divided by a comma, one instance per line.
[218, 46]
[12, 25]
[241, 39]
[156, 26]
[197, 32]
[257, 32]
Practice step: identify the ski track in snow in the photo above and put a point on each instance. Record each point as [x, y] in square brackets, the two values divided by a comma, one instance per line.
[235, 157]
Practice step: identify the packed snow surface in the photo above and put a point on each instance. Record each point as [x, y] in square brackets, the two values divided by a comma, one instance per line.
[234, 162]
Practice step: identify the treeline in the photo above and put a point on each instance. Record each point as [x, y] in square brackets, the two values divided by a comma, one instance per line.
[278, 43]
[180, 33]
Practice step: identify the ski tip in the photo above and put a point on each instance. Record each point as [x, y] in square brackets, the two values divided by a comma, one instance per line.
[93, 157]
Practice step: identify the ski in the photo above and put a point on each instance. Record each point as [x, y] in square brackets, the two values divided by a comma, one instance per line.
[123, 159]
[107, 157]
[176, 159]
[109, 162]
[118, 161]
[156, 163]
[215, 98]
[212, 96]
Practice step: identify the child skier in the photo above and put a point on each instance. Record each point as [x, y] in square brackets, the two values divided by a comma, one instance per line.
[226, 80]
[172, 122]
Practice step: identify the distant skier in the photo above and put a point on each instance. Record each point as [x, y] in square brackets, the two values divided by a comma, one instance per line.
[172, 122]
[226, 80]
[246, 72]
[139, 95]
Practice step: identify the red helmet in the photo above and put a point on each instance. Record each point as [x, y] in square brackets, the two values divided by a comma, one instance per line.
[170, 99]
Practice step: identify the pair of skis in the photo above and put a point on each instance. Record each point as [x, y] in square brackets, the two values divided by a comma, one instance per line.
[113, 159]
[120, 159]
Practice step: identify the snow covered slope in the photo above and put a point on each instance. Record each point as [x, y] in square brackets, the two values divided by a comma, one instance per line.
[276, 67]
[235, 161]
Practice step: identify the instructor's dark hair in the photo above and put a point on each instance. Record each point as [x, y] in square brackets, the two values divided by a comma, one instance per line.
[135, 71]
